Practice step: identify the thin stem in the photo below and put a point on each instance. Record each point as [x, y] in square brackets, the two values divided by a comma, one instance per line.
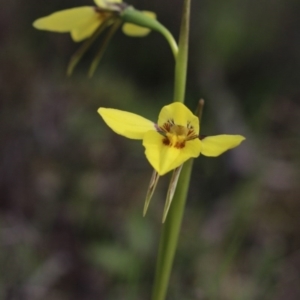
[171, 228]
[182, 57]
[134, 16]
[169, 237]
[172, 43]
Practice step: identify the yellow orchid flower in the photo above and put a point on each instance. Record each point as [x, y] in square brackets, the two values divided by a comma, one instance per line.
[172, 140]
[169, 142]
[82, 22]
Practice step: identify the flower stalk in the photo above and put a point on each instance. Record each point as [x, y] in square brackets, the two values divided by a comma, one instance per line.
[170, 234]
[174, 140]
[171, 228]
[182, 57]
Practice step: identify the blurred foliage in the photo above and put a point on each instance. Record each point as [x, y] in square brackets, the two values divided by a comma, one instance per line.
[72, 191]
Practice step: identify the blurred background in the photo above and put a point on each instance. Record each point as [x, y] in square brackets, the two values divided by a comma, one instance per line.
[72, 191]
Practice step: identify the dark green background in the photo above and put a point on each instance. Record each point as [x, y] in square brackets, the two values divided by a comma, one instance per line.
[72, 191]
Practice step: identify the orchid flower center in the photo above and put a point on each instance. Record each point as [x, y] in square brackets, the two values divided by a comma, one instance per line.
[176, 135]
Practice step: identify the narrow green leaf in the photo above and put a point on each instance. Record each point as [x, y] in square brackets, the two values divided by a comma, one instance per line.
[103, 47]
[76, 57]
[151, 189]
[171, 191]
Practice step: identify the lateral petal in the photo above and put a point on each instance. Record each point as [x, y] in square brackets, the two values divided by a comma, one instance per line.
[180, 114]
[135, 30]
[66, 20]
[125, 123]
[86, 30]
[216, 145]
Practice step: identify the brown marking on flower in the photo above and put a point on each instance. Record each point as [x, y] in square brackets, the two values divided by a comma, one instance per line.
[166, 141]
[180, 145]
[177, 135]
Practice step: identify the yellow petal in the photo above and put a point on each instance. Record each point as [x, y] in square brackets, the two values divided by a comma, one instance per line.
[164, 158]
[87, 29]
[192, 148]
[135, 30]
[180, 114]
[66, 20]
[138, 31]
[125, 123]
[216, 145]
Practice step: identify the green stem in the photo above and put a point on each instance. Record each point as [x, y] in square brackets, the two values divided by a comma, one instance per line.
[137, 17]
[169, 37]
[170, 233]
[171, 228]
[182, 57]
